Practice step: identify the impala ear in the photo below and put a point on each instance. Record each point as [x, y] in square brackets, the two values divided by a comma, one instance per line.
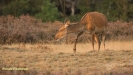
[67, 23]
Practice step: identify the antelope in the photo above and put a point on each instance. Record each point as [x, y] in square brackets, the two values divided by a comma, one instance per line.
[93, 23]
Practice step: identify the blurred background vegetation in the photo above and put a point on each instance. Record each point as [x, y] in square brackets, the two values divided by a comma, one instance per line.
[51, 10]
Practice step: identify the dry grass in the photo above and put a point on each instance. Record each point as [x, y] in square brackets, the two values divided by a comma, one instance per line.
[50, 59]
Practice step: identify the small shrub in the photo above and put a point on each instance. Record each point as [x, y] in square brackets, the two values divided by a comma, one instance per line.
[119, 30]
[27, 29]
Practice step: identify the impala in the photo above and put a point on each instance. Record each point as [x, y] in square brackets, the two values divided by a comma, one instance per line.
[92, 22]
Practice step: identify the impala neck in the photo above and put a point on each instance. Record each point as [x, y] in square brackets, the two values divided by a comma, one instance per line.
[75, 28]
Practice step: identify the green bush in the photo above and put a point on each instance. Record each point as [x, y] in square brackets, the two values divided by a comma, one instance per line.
[48, 12]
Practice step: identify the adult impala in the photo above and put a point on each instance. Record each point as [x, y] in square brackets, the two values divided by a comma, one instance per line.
[92, 22]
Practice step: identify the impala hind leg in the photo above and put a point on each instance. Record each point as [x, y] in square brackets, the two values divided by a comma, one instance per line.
[74, 49]
[92, 40]
[97, 39]
[103, 39]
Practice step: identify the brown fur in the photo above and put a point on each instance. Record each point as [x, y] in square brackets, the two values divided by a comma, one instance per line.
[92, 22]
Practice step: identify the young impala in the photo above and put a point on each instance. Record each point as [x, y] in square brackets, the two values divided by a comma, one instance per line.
[92, 22]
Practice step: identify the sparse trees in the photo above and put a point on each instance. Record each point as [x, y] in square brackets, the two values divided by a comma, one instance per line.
[49, 10]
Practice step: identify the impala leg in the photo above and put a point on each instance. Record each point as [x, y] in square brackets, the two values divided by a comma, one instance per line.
[92, 40]
[74, 49]
[103, 39]
[97, 39]
[100, 37]
[66, 38]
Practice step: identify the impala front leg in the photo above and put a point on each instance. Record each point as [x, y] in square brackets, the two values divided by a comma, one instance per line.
[66, 38]
[74, 49]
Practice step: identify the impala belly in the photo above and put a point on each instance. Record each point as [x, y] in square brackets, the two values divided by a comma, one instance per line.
[99, 30]
[94, 29]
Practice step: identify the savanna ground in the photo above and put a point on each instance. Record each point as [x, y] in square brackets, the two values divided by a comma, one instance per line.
[59, 59]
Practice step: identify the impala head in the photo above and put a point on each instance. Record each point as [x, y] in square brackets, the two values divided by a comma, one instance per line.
[62, 31]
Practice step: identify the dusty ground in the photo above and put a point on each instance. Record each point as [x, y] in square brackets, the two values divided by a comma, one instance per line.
[50, 59]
